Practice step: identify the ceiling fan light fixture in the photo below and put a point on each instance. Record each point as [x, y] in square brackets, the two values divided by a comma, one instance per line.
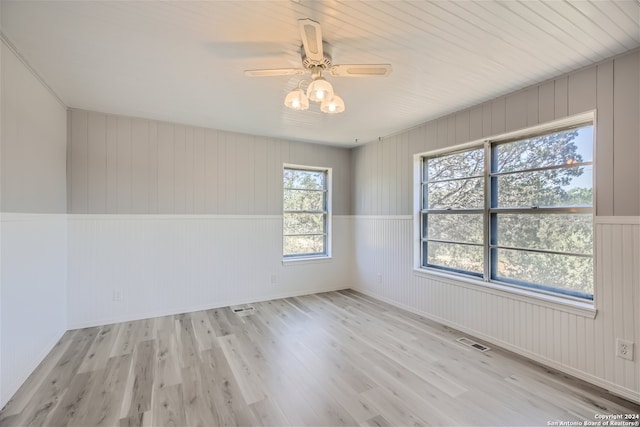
[296, 100]
[319, 90]
[333, 106]
[316, 60]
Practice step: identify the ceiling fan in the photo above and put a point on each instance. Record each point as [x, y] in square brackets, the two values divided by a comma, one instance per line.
[315, 60]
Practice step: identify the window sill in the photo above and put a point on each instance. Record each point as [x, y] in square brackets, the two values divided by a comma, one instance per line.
[306, 260]
[567, 305]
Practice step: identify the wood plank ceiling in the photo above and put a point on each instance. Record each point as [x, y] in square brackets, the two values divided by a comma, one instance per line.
[183, 61]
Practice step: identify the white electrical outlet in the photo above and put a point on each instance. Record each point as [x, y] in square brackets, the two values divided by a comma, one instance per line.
[117, 295]
[624, 349]
[379, 278]
[274, 279]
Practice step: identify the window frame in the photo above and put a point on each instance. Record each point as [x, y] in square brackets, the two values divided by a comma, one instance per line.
[489, 213]
[327, 214]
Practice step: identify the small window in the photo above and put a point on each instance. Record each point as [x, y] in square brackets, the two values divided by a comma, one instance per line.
[306, 214]
[517, 211]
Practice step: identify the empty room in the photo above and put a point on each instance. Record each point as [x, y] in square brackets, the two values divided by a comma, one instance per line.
[320, 213]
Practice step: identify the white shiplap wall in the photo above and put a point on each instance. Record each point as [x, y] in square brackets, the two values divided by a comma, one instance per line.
[576, 344]
[33, 238]
[180, 218]
[33, 294]
[165, 264]
[34, 142]
[125, 165]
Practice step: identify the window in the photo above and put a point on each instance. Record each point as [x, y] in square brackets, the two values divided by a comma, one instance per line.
[306, 213]
[517, 211]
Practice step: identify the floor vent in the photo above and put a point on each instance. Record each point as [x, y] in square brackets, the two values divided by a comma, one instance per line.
[471, 343]
[243, 309]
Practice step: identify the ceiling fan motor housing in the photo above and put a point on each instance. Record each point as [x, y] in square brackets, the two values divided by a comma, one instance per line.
[326, 58]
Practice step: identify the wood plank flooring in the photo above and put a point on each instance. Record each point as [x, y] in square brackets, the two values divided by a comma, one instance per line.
[332, 359]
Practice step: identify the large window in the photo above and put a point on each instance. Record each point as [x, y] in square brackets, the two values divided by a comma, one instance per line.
[518, 210]
[306, 213]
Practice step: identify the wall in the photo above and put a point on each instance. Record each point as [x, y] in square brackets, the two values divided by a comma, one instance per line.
[177, 218]
[171, 264]
[567, 340]
[124, 165]
[33, 243]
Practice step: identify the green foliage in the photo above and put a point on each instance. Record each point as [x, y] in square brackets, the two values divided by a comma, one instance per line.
[303, 245]
[465, 228]
[543, 231]
[445, 188]
[458, 257]
[304, 200]
[539, 152]
[543, 171]
[304, 179]
[555, 270]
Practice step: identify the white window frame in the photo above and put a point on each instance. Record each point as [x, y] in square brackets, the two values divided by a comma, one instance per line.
[582, 306]
[327, 254]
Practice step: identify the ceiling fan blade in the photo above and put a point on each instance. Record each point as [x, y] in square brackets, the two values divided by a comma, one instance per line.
[274, 72]
[311, 36]
[360, 70]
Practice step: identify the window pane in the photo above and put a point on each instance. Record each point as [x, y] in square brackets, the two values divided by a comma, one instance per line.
[454, 227]
[458, 165]
[303, 223]
[303, 200]
[294, 178]
[455, 256]
[554, 232]
[557, 187]
[459, 194]
[564, 272]
[303, 245]
[560, 148]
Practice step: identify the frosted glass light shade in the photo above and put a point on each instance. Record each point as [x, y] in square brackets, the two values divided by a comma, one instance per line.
[334, 105]
[319, 90]
[296, 100]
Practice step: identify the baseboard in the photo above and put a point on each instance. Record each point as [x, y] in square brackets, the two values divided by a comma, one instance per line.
[208, 306]
[610, 387]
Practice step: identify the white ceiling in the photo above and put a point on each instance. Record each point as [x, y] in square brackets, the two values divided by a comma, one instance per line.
[183, 61]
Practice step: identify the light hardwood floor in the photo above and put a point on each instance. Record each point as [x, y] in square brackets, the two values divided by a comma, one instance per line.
[338, 358]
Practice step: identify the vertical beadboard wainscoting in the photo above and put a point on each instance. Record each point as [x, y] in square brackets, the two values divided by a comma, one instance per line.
[572, 343]
[125, 267]
[32, 294]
